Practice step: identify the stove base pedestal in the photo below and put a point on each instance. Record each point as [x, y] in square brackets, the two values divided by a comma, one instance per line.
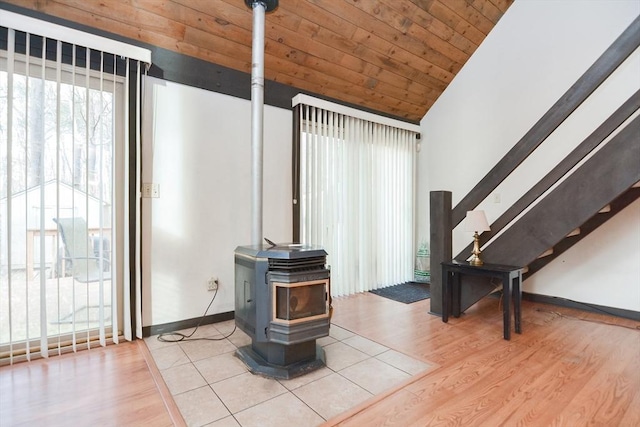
[282, 361]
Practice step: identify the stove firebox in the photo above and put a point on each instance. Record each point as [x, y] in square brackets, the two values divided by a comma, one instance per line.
[282, 301]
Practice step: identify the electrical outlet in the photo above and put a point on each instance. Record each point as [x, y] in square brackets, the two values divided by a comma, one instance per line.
[212, 284]
[155, 190]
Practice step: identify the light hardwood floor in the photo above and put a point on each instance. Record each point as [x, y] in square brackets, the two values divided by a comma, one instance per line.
[568, 368]
[104, 386]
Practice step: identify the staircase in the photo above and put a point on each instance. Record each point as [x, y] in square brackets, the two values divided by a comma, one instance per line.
[596, 191]
[571, 201]
[603, 186]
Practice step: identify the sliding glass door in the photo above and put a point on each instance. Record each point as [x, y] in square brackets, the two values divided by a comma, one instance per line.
[356, 195]
[61, 149]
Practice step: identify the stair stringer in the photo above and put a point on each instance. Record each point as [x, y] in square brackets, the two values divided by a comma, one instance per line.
[617, 206]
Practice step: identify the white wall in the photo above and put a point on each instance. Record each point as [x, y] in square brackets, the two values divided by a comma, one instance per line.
[197, 146]
[533, 55]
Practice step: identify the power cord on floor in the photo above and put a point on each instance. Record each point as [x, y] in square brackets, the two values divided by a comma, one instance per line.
[590, 306]
[182, 337]
[565, 316]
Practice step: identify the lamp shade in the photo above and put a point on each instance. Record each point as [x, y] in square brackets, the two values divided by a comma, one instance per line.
[476, 221]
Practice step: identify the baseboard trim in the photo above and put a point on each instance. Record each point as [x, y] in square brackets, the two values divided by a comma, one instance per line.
[148, 331]
[594, 308]
[163, 390]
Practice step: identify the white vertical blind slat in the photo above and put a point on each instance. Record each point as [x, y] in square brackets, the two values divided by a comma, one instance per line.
[312, 167]
[9, 182]
[317, 176]
[58, 155]
[311, 232]
[74, 339]
[117, 206]
[126, 268]
[368, 231]
[43, 280]
[101, 327]
[87, 90]
[110, 193]
[26, 184]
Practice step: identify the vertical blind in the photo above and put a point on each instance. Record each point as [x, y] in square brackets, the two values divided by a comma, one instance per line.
[65, 191]
[356, 195]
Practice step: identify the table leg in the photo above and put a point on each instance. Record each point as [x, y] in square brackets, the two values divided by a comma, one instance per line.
[446, 296]
[506, 310]
[455, 297]
[517, 301]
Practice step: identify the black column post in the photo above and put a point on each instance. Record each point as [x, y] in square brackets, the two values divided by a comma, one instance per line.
[440, 243]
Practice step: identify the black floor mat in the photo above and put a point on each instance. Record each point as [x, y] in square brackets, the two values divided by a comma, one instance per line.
[405, 292]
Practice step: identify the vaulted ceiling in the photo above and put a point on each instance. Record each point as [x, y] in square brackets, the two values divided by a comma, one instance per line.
[392, 56]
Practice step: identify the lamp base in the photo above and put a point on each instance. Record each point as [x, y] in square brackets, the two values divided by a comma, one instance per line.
[475, 260]
[475, 257]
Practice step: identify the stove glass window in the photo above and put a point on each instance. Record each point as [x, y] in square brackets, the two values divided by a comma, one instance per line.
[293, 301]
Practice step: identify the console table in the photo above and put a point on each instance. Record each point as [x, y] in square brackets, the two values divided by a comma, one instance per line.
[511, 277]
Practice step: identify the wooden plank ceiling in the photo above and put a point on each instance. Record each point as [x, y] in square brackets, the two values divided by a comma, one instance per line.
[392, 56]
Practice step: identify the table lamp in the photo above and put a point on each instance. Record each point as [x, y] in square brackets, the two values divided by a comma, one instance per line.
[476, 221]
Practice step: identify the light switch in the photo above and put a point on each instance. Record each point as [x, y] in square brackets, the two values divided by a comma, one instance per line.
[150, 190]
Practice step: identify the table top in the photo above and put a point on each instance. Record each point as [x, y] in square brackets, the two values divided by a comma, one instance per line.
[485, 267]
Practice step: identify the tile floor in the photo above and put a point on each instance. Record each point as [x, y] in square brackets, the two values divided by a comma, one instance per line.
[212, 387]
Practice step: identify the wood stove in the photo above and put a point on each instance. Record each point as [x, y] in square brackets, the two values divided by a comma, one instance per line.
[282, 301]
